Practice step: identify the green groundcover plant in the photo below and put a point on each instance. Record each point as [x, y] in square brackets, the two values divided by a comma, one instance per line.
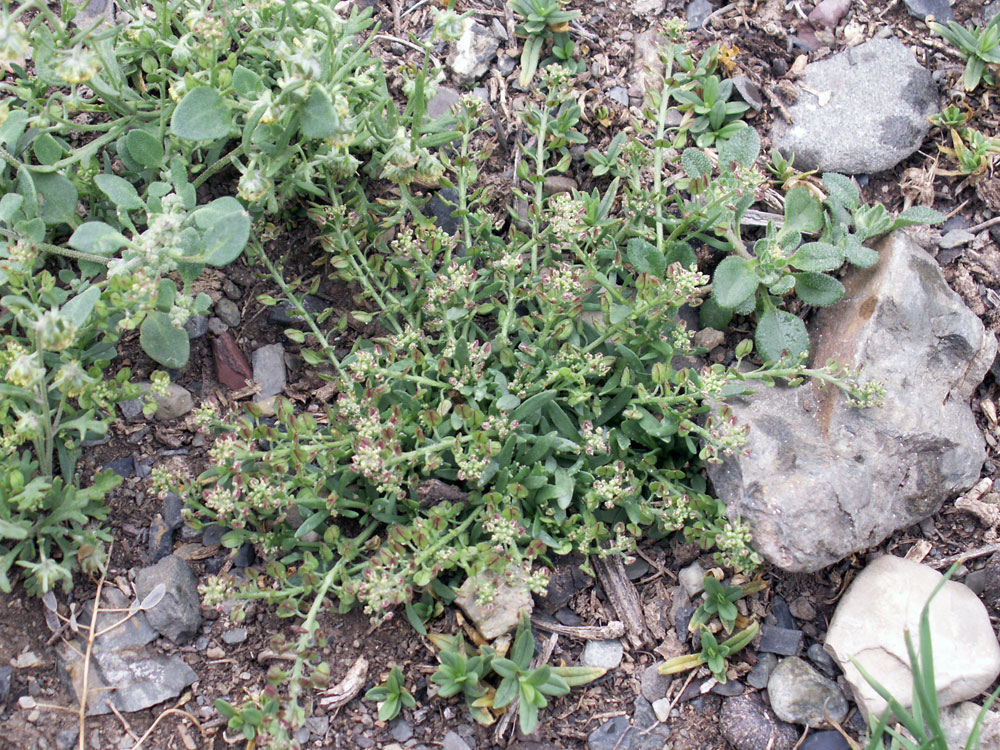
[521, 394]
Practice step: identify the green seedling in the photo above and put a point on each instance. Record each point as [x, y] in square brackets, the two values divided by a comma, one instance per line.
[979, 46]
[391, 695]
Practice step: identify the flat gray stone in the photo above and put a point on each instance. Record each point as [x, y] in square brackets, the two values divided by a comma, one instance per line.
[269, 370]
[654, 685]
[454, 741]
[228, 312]
[940, 9]
[175, 403]
[501, 615]
[801, 695]
[776, 640]
[887, 598]
[178, 615]
[747, 724]
[602, 654]
[441, 104]
[861, 111]
[823, 479]
[471, 55]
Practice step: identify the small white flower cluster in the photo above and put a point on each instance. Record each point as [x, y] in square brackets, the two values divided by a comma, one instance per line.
[472, 461]
[503, 530]
[508, 264]
[221, 500]
[562, 286]
[614, 485]
[499, 425]
[23, 369]
[449, 286]
[565, 217]
[595, 439]
[735, 550]
[72, 380]
[725, 435]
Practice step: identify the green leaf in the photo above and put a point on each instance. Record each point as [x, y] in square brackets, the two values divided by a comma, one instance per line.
[58, 198]
[842, 189]
[857, 254]
[121, 193]
[918, 215]
[79, 308]
[47, 149]
[319, 120]
[645, 257]
[224, 708]
[507, 402]
[163, 342]
[817, 256]
[390, 708]
[13, 127]
[780, 333]
[818, 289]
[201, 115]
[10, 204]
[713, 315]
[743, 147]
[803, 212]
[576, 676]
[681, 252]
[695, 163]
[144, 147]
[98, 238]
[734, 281]
[246, 83]
[226, 229]
[531, 408]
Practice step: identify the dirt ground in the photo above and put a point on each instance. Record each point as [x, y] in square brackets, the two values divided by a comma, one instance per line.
[609, 28]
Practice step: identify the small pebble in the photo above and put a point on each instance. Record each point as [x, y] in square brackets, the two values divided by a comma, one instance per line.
[692, 578]
[802, 609]
[228, 312]
[602, 654]
[231, 290]
[216, 326]
[215, 652]
[654, 685]
[234, 636]
[821, 660]
[762, 670]
[776, 640]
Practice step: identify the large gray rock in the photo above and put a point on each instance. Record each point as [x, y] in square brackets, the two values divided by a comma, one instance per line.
[886, 599]
[178, 615]
[125, 671]
[861, 111]
[824, 480]
[472, 54]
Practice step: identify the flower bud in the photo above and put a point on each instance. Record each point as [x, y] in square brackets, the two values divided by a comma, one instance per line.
[55, 331]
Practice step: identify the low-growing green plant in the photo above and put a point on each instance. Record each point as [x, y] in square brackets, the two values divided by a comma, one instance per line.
[543, 19]
[392, 695]
[712, 654]
[720, 601]
[923, 720]
[465, 672]
[607, 163]
[974, 152]
[786, 260]
[980, 46]
[709, 113]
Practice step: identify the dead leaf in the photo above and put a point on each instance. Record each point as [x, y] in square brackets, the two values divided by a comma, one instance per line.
[919, 551]
[344, 691]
